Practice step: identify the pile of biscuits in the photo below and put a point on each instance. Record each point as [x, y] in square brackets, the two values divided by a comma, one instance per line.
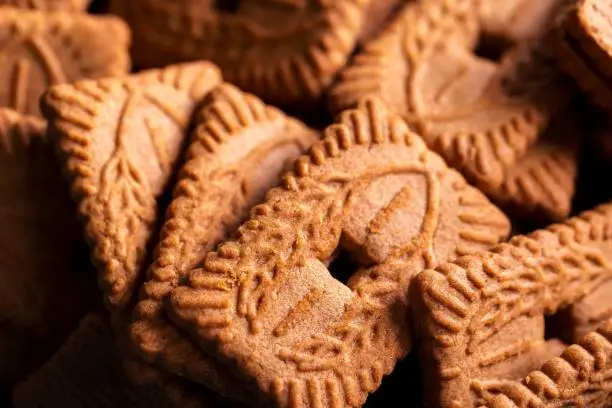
[306, 203]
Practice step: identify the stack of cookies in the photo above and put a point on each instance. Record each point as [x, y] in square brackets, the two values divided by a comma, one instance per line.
[306, 203]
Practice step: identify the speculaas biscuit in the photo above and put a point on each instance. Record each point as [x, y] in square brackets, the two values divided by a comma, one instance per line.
[284, 51]
[583, 43]
[541, 184]
[48, 5]
[516, 20]
[481, 116]
[44, 285]
[579, 377]
[266, 303]
[480, 318]
[239, 150]
[118, 140]
[86, 373]
[41, 49]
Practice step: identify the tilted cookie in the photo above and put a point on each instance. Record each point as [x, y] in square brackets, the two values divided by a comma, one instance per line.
[583, 44]
[119, 140]
[48, 5]
[44, 285]
[541, 184]
[481, 318]
[41, 49]
[284, 51]
[481, 116]
[86, 372]
[266, 303]
[516, 20]
[577, 378]
[239, 150]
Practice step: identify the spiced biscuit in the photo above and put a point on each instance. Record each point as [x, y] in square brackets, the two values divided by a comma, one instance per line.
[583, 43]
[237, 154]
[517, 20]
[41, 49]
[86, 373]
[48, 5]
[577, 378]
[541, 185]
[481, 116]
[44, 285]
[119, 140]
[285, 51]
[266, 303]
[480, 318]
[376, 16]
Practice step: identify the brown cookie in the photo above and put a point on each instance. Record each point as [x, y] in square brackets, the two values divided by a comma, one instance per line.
[238, 152]
[48, 48]
[480, 318]
[284, 51]
[481, 116]
[85, 373]
[583, 43]
[517, 20]
[541, 184]
[119, 140]
[48, 5]
[376, 16]
[44, 285]
[266, 303]
[577, 378]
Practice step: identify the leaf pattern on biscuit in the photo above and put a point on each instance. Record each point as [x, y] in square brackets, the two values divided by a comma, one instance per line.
[479, 115]
[119, 140]
[495, 301]
[40, 49]
[218, 184]
[316, 341]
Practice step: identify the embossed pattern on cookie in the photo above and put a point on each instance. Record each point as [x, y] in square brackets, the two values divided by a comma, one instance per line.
[580, 377]
[40, 49]
[44, 285]
[239, 149]
[286, 52]
[48, 5]
[541, 184]
[373, 188]
[481, 317]
[119, 140]
[583, 45]
[481, 116]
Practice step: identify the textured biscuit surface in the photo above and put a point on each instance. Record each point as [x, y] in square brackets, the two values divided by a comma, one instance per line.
[269, 307]
[41, 49]
[481, 317]
[238, 151]
[48, 5]
[541, 184]
[583, 44]
[44, 285]
[119, 140]
[481, 116]
[285, 51]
